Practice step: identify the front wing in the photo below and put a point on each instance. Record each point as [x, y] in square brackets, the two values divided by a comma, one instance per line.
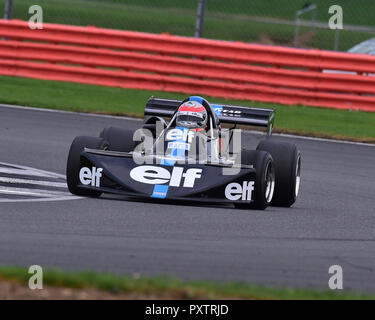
[118, 173]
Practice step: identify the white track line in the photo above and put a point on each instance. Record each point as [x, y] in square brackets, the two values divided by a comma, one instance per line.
[36, 182]
[24, 193]
[22, 170]
[314, 138]
[31, 192]
[137, 119]
[325, 139]
[68, 112]
[35, 195]
[65, 198]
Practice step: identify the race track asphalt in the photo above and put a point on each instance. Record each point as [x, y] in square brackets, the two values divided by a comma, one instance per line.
[332, 223]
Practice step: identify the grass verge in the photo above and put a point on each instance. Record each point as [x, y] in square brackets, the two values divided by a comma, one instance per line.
[360, 13]
[319, 122]
[169, 287]
[178, 17]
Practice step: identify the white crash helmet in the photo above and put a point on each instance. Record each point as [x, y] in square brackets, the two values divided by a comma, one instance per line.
[191, 115]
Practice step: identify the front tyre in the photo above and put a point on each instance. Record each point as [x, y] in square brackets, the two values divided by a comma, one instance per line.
[287, 160]
[264, 179]
[74, 166]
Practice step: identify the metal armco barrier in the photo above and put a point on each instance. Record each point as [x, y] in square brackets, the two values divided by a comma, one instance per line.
[194, 66]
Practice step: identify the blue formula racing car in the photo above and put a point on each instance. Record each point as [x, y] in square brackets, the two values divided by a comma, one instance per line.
[181, 152]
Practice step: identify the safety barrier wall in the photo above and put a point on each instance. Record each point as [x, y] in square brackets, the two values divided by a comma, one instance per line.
[194, 66]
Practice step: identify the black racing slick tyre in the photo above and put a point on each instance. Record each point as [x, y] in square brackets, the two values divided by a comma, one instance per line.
[118, 139]
[73, 165]
[154, 123]
[287, 159]
[264, 178]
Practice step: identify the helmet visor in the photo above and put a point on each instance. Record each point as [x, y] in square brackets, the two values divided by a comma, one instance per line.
[189, 121]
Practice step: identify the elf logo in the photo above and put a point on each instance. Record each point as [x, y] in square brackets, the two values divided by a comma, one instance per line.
[159, 175]
[90, 176]
[235, 191]
[181, 135]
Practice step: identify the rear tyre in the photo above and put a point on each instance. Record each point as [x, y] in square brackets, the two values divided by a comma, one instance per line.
[264, 179]
[154, 123]
[73, 165]
[287, 160]
[118, 139]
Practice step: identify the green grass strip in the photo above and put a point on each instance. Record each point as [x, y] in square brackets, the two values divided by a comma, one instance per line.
[320, 122]
[170, 287]
[178, 17]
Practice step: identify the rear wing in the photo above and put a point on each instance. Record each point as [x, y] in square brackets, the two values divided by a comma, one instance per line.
[225, 113]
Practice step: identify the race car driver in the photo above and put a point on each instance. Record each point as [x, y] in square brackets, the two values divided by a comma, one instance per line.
[192, 115]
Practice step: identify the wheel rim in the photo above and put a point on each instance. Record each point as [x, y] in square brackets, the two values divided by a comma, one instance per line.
[298, 176]
[270, 181]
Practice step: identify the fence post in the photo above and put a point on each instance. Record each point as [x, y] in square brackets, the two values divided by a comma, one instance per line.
[200, 18]
[306, 8]
[8, 9]
[336, 43]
